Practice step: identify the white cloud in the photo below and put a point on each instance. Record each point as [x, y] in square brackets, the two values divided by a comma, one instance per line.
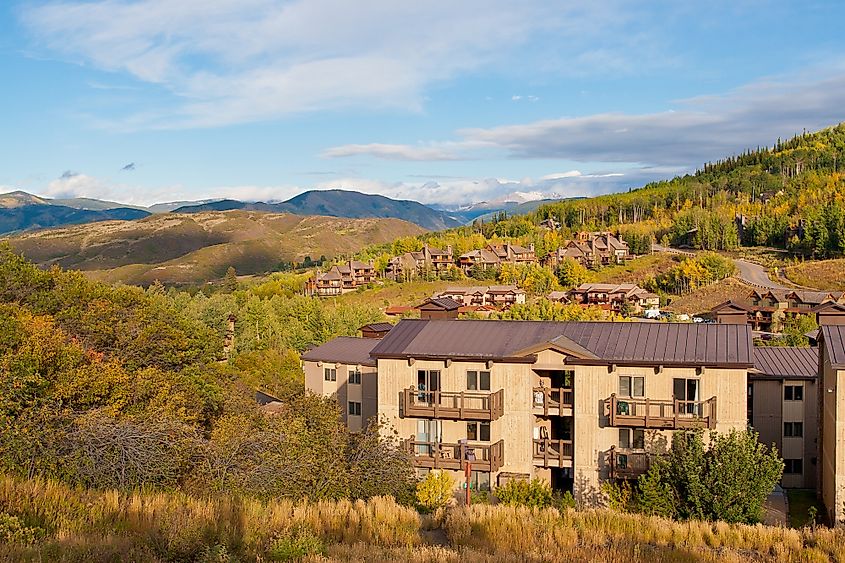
[230, 61]
[391, 152]
[699, 129]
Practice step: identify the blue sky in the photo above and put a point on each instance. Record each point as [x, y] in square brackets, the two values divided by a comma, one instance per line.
[442, 102]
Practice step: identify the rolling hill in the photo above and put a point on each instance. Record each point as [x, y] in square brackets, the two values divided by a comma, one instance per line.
[341, 203]
[199, 247]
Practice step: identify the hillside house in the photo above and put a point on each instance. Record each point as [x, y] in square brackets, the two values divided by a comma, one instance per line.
[499, 296]
[613, 297]
[340, 279]
[414, 264]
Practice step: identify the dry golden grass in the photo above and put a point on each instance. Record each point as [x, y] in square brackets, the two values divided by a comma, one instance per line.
[195, 248]
[638, 269]
[704, 299]
[79, 525]
[828, 275]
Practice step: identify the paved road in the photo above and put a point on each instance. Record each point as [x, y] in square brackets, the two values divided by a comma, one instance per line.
[755, 274]
[749, 272]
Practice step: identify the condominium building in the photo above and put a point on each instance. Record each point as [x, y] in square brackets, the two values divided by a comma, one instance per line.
[572, 403]
[832, 412]
[783, 406]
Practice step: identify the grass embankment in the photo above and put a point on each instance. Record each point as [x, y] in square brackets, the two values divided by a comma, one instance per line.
[637, 270]
[702, 300]
[75, 525]
[827, 275]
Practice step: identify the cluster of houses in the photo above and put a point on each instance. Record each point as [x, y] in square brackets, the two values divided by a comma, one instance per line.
[617, 297]
[580, 403]
[768, 310]
[590, 249]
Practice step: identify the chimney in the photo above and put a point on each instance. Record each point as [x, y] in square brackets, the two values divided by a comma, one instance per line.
[449, 250]
[531, 247]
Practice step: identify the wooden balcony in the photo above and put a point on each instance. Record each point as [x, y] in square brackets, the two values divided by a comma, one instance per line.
[460, 405]
[440, 455]
[552, 400]
[553, 453]
[626, 463]
[673, 414]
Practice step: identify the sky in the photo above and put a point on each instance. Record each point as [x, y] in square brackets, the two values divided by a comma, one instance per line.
[445, 103]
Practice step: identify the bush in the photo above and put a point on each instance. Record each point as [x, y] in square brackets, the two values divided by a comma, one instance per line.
[728, 481]
[535, 493]
[298, 543]
[564, 501]
[435, 490]
[13, 531]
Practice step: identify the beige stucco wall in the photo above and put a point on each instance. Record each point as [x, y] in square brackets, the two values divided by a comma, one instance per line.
[514, 427]
[594, 436]
[341, 389]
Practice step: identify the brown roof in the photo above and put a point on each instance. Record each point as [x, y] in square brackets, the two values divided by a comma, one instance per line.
[603, 342]
[834, 342]
[446, 303]
[786, 362]
[344, 350]
[377, 327]
[729, 305]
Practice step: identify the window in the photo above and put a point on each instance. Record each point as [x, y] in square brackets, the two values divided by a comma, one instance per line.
[330, 374]
[632, 438]
[355, 377]
[793, 392]
[631, 386]
[793, 466]
[479, 481]
[793, 429]
[687, 390]
[478, 380]
[354, 408]
[478, 431]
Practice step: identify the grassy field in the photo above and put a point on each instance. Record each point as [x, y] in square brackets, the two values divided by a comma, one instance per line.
[638, 269]
[827, 275]
[388, 293]
[193, 249]
[48, 521]
[704, 299]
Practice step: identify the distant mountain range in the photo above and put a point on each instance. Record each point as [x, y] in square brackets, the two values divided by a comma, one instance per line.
[342, 203]
[21, 211]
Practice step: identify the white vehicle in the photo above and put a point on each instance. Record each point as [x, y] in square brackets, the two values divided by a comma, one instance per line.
[651, 313]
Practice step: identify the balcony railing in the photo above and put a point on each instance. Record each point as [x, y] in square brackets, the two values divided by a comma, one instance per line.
[553, 453]
[672, 414]
[625, 463]
[460, 405]
[552, 399]
[440, 455]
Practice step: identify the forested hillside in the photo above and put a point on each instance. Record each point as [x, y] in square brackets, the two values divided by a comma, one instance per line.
[792, 196]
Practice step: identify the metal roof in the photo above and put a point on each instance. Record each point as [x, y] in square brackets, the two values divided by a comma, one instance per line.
[378, 327]
[446, 303]
[784, 361]
[834, 342]
[344, 350]
[633, 343]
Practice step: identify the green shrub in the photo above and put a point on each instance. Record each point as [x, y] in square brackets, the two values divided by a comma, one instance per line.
[564, 501]
[13, 531]
[435, 490]
[298, 543]
[535, 493]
